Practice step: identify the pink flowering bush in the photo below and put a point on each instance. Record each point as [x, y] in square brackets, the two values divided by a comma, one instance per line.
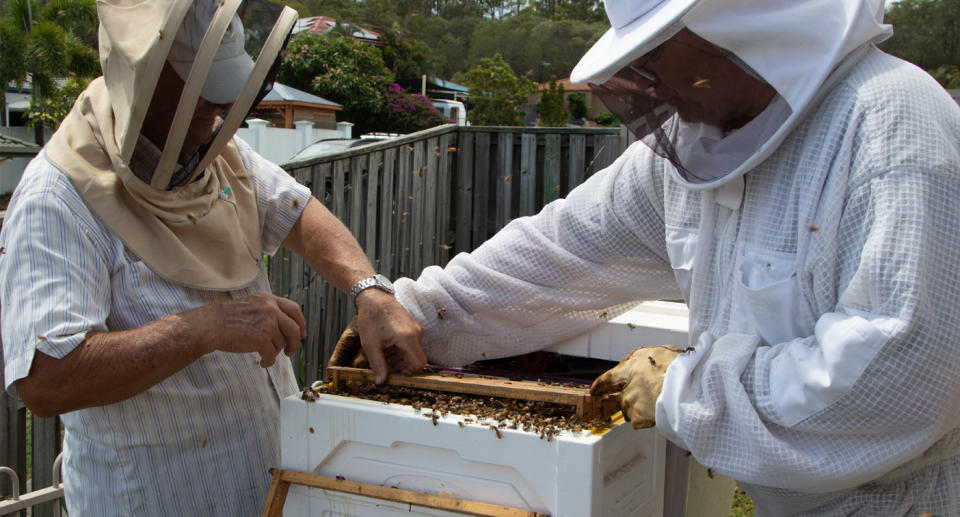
[409, 112]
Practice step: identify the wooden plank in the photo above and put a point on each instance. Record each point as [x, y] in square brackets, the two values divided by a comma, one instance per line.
[384, 145]
[46, 446]
[451, 504]
[611, 150]
[481, 186]
[277, 496]
[528, 174]
[404, 193]
[465, 192]
[504, 179]
[540, 130]
[431, 205]
[445, 176]
[576, 168]
[13, 440]
[418, 209]
[300, 274]
[486, 386]
[358, 170]
[338, 192]
[551, 168]
[375, 166]
[388, 215]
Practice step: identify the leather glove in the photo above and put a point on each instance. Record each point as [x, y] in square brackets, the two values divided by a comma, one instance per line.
[348, 351]
[639, 378]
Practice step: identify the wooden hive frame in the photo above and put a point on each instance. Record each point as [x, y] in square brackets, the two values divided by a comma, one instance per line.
[588, 406]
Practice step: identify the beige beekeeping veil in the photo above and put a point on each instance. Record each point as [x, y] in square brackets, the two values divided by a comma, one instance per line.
[203, 230]
[799, 48]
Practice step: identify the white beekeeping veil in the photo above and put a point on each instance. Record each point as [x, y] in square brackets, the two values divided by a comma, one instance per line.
[799, 48]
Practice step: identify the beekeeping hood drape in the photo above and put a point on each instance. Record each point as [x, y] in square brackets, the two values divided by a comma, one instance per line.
[204, 233]
[799, 48]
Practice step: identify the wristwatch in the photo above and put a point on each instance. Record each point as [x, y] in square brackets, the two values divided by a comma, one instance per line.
[378, 281]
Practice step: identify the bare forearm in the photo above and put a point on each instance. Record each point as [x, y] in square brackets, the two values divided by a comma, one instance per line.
[113, 366]
[110, 367]
[328, 247]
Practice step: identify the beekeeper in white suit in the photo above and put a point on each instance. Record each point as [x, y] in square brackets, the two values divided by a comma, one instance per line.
[802, 189]
[135, 301]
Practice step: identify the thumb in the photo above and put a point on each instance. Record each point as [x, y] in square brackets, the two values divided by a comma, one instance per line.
[611, 381]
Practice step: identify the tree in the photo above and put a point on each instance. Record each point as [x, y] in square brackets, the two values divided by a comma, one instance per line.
[926, 33]
[406, 57]
[551, 109]
[496, 93]
[577, 104]
[340, 69]
[48, 44]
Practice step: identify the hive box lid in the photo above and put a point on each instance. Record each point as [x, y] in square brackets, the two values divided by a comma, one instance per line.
[647, 324]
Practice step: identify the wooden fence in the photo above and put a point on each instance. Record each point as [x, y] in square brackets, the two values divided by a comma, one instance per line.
[411, 202]
[418, 200]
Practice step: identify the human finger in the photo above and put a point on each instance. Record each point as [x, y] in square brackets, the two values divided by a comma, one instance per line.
[609, 382]
[378, 362]
[290, 330]
[292, 310]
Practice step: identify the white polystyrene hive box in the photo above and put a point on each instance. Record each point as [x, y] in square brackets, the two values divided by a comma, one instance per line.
[619, 472]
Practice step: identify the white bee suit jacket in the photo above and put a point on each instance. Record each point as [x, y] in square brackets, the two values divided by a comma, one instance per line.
[821, 284]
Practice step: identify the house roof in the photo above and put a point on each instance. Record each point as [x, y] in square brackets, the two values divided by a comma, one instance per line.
[322, 24]
[568, 87]
[11, 147]
[284, 93]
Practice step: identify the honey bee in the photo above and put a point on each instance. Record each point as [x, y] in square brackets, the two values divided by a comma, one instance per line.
[506, 178]
[440, 312]
[814, 228]
[710, 473]
[631, 326]
[452, 149]
[192, 217]
[340, 478]
[160, 33]
[603, 315]
[701, 83]
[652, 362]
[295, 204]
[203, 444]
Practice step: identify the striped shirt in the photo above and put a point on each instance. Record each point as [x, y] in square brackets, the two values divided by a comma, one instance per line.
[198, 443]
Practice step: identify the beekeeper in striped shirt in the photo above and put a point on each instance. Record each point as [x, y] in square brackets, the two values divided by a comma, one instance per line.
[135, 302]
[800, 189]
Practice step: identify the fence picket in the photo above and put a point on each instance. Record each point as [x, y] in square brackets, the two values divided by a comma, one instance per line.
[504, 178]
[528, 174]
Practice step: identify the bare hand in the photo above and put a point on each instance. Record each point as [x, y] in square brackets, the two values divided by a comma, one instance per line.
[262, 323]
[640, 378]
[390, 337]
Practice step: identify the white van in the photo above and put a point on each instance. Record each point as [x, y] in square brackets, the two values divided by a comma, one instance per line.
[453, 110]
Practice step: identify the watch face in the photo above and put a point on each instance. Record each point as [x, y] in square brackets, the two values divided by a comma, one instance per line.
[384, 283]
